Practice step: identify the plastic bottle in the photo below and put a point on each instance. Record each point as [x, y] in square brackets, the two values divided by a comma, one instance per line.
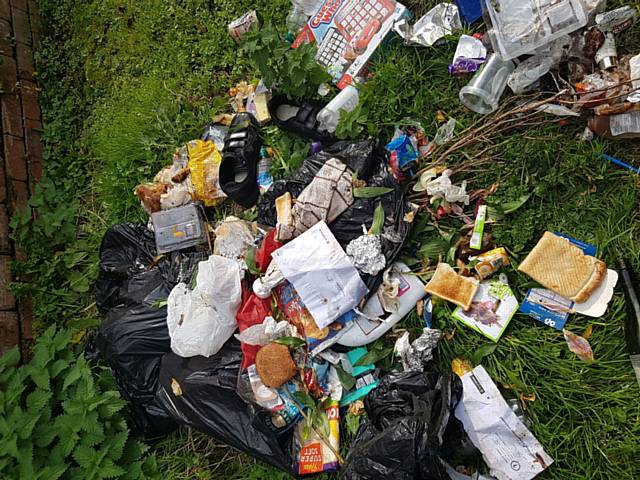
[296, 19]
[265, 179]
[623, 125]
[346, 100]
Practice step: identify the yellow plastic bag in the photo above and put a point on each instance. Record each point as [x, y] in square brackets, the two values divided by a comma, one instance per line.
[204, 165]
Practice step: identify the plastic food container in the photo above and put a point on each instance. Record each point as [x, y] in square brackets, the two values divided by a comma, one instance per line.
[178, 228]
[521, 26]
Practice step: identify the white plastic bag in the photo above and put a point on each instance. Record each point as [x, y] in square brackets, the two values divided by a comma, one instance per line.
[201, 320]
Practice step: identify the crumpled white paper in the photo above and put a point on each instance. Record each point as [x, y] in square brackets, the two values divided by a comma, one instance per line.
[265, 332]
[322, 274]
[443, 188]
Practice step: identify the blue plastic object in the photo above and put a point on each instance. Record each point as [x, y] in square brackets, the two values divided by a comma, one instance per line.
[470, 10]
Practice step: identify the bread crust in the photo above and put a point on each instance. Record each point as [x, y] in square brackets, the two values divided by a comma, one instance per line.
[563, 268]
[599, 272]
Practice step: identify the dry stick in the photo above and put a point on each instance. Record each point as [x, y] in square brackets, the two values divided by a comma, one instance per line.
[502, 120]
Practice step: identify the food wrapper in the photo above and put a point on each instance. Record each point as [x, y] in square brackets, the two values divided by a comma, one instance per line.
[490, 262]
[470, 55]
[240, 26]
[318, 339]
[233, 238]
[440, 21]
[204, 165]
[617, 20]
[315, 456]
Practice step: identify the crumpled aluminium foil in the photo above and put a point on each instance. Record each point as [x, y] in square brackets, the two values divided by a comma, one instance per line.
[440, 21]
[366, 254]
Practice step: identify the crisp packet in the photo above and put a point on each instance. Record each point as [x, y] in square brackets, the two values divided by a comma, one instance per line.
[238, 27]
[404, 154]
[318, 339]
[470, 55]
[204, 165]
[315, 456]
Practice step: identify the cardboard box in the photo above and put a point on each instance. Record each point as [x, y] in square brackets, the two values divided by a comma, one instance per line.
[348, 32]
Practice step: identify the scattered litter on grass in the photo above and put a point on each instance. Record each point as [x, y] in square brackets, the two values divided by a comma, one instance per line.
[308, 272]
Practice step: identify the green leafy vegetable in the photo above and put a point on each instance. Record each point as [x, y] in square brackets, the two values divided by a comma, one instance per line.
[373, 357]
[304, 399]
[292, 342]
[378, 220]
[346, 379]
[483, 351]
[250, 260]
[497, 212]
[352, 423]
[433, 248]
[371, 192]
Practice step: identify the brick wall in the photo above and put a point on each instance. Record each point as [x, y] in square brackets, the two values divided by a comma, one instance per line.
[21, 152]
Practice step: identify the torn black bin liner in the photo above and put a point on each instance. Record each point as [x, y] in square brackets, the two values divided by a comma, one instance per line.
[133, 336]
[206, 399]
[369, 160]
[410, 427]
[133, 340]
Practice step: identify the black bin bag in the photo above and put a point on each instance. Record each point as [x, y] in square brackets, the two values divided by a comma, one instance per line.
[133, 336]
[409, 430]
[202, 393]
[134, 341]
[368, 159]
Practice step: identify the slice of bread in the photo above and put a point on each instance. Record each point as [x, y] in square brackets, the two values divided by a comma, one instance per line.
[447, 284]
[557, 264]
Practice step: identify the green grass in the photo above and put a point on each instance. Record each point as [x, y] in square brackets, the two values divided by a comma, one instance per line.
[124, 83]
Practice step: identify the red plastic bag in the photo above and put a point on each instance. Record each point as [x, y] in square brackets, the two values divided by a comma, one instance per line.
[252, 312]
[267, 247]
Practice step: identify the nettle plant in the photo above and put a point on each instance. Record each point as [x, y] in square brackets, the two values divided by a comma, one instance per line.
[60, 419]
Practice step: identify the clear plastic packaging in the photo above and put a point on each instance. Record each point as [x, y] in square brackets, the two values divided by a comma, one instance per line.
[521, 26]
[296, 19]
[483, 92]
[309, 7]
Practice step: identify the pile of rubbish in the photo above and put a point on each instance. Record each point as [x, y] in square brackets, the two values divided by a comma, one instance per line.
[273, 328]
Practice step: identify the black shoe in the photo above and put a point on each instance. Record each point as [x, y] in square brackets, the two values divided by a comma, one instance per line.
[238, 169]
[298, 118]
